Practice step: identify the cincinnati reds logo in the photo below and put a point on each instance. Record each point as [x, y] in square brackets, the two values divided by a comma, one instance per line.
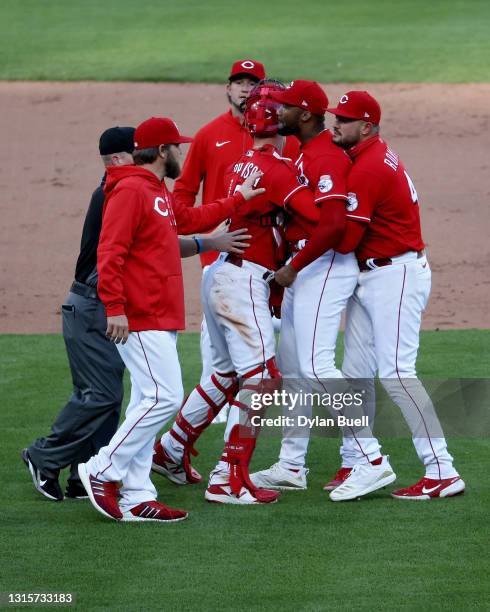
[156, 207]
[247, 64]
[344, 99]
[352, 201]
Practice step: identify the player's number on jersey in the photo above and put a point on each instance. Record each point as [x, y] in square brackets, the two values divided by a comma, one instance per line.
[413, 191]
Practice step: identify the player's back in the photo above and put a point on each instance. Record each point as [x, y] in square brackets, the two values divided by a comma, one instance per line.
[388, 197]
[263, 216]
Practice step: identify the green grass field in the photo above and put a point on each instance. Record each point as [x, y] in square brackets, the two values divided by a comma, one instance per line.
[304, 553]
[190, 40]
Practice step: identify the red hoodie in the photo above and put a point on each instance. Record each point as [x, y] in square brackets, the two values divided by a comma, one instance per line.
[138, 258]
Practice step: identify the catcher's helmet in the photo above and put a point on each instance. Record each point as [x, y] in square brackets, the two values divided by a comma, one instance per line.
[261, 110]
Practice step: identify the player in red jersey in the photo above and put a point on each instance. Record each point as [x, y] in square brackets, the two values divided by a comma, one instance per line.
[384, 314]
[216, 146]
[320, 281]
[236, 295]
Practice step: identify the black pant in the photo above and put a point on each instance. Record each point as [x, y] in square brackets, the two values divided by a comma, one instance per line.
[90, 417]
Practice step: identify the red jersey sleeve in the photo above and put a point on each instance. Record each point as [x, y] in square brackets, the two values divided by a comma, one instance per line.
[187, 186]
[330, 175]
[122, 216]
[282, 183]
[363, 193]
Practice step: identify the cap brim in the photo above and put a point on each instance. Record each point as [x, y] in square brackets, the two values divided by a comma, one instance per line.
[184, 139]
[284, 97]
[249, 75]
[341, 113]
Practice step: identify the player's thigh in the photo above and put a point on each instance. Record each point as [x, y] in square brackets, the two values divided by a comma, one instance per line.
[287, 357]
[359, 354]
[152, 360]
[320, 297]
[396, 297]
[239, 302]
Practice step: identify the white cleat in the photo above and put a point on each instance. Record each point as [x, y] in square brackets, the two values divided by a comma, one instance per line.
[364, 478]
[281, 478]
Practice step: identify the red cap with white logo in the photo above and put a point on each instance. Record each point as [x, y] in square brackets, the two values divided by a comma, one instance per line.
[304, 94]
[248, 67]
[157, 131]
[358, 105]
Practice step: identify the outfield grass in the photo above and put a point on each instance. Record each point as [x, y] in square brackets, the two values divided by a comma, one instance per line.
[304, 553]
[190, 40]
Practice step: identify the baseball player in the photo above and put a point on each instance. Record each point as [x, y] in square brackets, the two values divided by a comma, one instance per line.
[236, 296]
[216, 146]
[89, 418]
[320, 281]
[384, 314]
[140, 284]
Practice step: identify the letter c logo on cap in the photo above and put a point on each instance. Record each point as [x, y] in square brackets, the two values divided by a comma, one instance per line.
[248, 65]
[344, 99]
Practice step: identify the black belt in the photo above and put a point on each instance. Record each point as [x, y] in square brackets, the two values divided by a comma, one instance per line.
[238, 261]
[84, 290]
[380, 262]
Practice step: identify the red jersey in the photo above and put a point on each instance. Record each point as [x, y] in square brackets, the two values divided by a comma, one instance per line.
[216, 146]
[382, 194]
[323, 167]
[263, 215]
[138, 257]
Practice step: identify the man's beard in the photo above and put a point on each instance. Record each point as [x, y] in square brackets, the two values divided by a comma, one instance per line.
[172, 167]
[285, 130]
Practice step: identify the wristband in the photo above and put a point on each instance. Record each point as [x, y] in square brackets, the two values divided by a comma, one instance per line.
[198, 244]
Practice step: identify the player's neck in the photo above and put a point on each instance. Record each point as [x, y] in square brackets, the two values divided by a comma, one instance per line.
[276, 141]
[235, 112]
[308, 133]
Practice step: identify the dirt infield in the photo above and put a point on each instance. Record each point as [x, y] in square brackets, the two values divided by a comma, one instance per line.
[49, 166]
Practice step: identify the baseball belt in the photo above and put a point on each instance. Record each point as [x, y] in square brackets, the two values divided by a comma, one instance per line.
[371, 264]
[84, 290]
[238, 261]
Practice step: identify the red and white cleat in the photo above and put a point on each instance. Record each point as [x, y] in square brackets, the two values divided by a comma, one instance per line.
[430, 488]
[219, 491]
[154, 511]
[338, 479]
[178, 473]
[102, 494]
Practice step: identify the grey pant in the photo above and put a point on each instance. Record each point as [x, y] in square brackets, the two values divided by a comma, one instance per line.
[90, 418]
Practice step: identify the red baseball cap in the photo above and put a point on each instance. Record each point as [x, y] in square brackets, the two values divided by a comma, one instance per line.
[156, 131]
[304, 94]
[248, 67]
[358, 105]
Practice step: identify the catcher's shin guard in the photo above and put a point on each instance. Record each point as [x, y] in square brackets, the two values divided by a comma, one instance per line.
[238, 453]
[198, 412]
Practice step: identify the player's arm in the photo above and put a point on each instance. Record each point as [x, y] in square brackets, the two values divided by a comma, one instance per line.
[205, 218]
[223, 241]
[354, 232]
[124, 212]
[363, 193]
[186, 187]
[325, 236]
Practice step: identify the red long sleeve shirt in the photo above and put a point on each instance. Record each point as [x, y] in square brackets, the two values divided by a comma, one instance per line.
[138, 257]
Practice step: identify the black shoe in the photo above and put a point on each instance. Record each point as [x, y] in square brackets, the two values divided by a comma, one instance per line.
[49, 487]
[75, 490]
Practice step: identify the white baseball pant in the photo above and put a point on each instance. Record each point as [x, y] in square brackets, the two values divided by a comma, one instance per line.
[382, 334]
[156, 396]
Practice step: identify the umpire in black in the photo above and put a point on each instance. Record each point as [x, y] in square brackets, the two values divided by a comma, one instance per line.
[90, 418]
